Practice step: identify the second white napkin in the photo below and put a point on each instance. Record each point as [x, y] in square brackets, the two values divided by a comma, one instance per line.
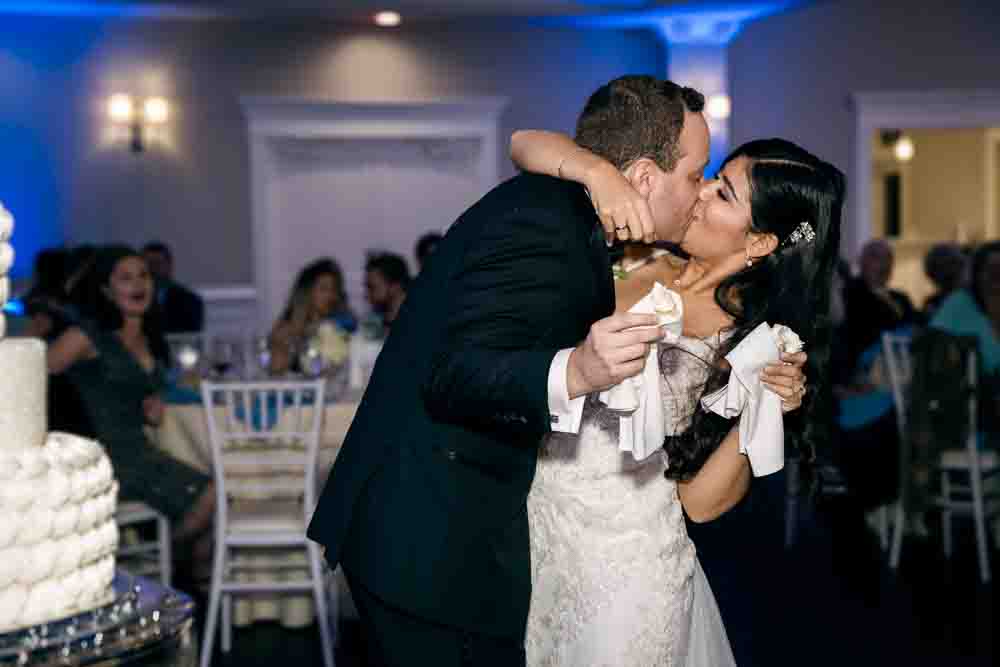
[762, 429]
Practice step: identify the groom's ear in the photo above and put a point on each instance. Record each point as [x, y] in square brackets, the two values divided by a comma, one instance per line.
[641, 175]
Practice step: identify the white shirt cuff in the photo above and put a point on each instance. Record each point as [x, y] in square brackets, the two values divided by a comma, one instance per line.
[565, 414]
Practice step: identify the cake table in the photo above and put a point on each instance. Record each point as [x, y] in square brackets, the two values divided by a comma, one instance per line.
[145, 623]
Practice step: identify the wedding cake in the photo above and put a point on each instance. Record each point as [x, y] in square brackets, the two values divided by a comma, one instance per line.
[58, 494]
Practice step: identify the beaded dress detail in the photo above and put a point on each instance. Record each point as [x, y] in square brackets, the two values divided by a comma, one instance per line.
[615, 579]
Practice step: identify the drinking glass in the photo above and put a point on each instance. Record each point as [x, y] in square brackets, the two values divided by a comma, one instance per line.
[224, 356]
[262, 354]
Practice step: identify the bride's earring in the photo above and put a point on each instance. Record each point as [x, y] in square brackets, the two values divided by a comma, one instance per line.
[749, 260]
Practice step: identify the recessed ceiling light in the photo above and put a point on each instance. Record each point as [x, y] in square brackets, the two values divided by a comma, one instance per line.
[388, 19]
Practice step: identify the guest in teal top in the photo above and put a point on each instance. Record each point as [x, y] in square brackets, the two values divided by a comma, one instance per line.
[976, 311]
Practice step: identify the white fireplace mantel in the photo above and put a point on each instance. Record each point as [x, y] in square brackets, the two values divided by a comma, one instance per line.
[274, 122]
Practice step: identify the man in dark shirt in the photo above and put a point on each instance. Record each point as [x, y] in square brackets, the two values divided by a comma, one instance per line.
[181, 309]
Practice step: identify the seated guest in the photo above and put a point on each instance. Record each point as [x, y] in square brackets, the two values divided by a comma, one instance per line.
[181, 310]
[975, 311]
[945, 265]
[867, 442]
[425, 246]
[115, 358]
[50, 313]
[46, 304]
[386, 282]
[317, 294]
[871, 307]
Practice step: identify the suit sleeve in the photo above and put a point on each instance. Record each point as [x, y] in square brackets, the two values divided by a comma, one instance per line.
[491, 370]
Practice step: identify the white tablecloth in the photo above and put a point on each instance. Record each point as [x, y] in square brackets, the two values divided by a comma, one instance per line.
[184, 435]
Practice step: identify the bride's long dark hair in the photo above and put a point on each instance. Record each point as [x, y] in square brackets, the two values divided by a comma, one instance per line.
[791, 286]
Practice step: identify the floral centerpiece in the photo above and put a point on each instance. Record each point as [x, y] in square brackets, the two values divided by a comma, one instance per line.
[326, 351]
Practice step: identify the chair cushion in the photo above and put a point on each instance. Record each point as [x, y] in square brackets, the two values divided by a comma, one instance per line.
[958, 459]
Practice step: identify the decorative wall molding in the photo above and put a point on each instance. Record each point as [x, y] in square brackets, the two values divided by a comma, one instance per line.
[273, 121]
[907, 110]
[230, 308]
[992, 172]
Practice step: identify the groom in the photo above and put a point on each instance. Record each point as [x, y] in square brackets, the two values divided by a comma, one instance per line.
[425, 508]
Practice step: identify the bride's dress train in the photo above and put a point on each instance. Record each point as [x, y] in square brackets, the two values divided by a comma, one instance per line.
[615, 579]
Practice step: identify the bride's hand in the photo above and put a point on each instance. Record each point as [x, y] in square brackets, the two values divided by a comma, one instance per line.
[787, 380]
[623, 212]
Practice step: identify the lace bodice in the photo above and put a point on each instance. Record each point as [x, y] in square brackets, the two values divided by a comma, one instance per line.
[684, 368]
[612, 564]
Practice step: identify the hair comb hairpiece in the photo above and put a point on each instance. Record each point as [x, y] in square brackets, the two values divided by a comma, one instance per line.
[803, 233]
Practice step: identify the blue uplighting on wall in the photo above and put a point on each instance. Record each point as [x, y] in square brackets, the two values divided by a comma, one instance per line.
[34, 178]
[106, 9]
[29, 191]
[14, 307]
[694, 21]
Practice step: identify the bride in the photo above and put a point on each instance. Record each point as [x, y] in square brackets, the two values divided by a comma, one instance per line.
[615, 578]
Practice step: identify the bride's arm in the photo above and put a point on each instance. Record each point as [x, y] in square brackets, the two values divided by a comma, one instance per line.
[623, 212]
[720, 484]
[554, 154]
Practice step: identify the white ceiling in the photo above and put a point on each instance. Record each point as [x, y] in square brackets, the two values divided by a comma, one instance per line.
[354, 10]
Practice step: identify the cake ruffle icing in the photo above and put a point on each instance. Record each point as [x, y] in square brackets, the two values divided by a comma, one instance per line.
[58, 534]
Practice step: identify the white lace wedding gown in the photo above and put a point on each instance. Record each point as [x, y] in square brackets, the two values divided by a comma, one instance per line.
[615, 579]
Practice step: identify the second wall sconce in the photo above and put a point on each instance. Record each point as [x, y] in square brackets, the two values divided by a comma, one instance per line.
[153, 114]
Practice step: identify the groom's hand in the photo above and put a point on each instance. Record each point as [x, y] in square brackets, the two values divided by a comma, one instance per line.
[613, 350]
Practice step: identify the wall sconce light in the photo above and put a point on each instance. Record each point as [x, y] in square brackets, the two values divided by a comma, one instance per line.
[902, 146]
[154, 113]
[718, 107]
[904, 149]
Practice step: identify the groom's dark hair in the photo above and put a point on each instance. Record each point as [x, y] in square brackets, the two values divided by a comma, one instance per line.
[635, 117]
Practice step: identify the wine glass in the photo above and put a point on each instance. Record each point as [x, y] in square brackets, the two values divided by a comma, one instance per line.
[223, 356]
[262, 354]
[186, 355]
[311, 359]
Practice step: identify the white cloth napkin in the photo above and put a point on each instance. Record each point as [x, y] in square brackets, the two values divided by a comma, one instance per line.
[762, 429]
[642, 426]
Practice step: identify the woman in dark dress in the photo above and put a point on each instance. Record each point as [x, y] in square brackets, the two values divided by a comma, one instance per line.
[115, 360]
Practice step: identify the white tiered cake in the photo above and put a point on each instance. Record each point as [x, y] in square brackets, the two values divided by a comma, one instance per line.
[58, 494]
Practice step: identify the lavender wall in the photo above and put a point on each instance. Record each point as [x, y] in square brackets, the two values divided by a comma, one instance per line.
[71, 184]
[792, 74]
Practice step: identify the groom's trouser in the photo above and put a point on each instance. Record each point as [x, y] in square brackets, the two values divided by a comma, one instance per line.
[394, 638]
